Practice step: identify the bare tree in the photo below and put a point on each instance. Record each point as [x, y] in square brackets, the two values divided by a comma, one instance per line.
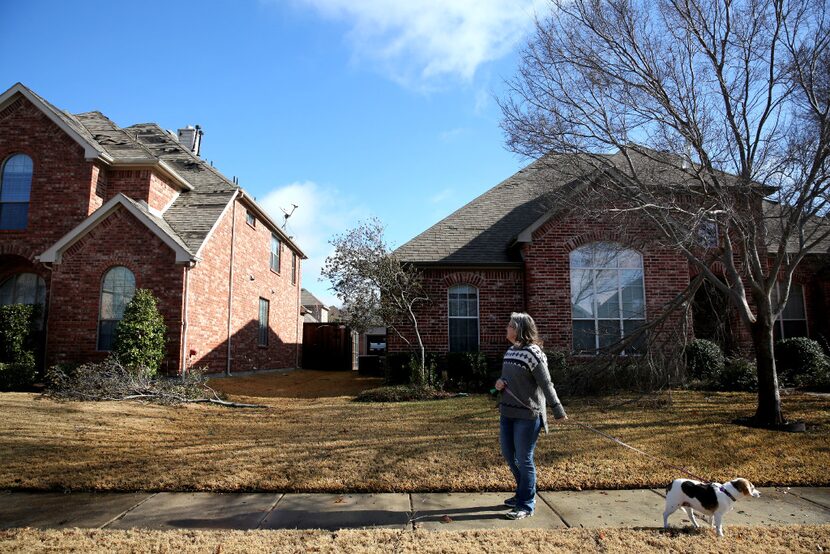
[374, 286]
[705, 119]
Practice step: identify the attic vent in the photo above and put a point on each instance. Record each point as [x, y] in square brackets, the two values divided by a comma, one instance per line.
[191, 138]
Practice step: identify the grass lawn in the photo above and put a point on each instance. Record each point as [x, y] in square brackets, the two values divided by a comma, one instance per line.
[738, 539]
[306, 441]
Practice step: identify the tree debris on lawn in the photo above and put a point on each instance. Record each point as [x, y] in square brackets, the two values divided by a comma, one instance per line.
[110, 380]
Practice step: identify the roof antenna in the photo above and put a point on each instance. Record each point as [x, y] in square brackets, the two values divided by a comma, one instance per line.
[286, 214]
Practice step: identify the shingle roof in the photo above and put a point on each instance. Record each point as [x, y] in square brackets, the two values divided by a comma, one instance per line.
[481, 232]
[484, 231]
[206, 192]
[308, 299]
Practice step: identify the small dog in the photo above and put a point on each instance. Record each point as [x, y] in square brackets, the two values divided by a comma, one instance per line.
[712, 499]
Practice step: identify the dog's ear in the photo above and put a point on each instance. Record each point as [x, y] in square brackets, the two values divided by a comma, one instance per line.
[743, 486]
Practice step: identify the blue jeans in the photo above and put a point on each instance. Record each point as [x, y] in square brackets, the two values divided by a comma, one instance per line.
[518, 441]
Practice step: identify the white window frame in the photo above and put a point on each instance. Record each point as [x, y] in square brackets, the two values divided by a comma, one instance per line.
[596, 319]
[267, 328]
[101, 305]
[779, 321]
[477, 317]
[275, 255]
[28, 202]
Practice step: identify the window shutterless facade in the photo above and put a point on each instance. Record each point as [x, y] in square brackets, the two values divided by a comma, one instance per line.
[264, 305]
[463, 318]
[275, 253]
[293, 268]
[117, 289]
[15, 188]
[607, 297]
[249, 218]
[793, 319]
[25, 288]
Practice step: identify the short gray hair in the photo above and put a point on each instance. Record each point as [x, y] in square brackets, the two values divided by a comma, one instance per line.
[526, 332]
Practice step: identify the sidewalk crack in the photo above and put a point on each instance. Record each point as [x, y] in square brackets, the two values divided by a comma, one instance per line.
[127, 511]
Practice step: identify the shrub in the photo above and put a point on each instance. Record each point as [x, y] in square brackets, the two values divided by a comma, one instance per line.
[801, 362]
[403, 368]
[401, 393]
[704, 360]
[18, 369]
[141, 335]
[738, 374]
[468, 370]
[560, 372]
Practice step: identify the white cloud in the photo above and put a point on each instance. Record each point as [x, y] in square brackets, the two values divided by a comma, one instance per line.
[422, 43]
[441, 196]
[321, 213]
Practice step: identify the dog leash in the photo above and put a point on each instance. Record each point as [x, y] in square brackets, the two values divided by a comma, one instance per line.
[616, 440]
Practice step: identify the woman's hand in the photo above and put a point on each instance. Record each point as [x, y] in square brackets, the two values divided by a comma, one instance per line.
[560, 419]
[500, 384]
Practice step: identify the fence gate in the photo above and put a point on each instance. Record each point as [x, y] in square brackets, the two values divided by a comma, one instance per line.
[327, 346]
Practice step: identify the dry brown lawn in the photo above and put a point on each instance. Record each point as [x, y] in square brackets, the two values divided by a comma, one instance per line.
[331, 444]
[789, 539]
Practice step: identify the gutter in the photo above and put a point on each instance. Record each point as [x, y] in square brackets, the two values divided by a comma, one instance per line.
[184, 349]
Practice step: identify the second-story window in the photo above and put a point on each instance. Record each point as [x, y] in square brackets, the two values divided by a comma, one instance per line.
[249, 217]
[275, 253]
[293, 268]
[15, 186]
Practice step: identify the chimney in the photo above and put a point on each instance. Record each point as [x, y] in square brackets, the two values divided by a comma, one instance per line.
[191, 138]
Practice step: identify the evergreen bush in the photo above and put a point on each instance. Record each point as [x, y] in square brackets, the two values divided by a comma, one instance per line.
[140, 336]
[18, 369]
[738, 374]
[801, 362]
[468, 370]
[704, 360]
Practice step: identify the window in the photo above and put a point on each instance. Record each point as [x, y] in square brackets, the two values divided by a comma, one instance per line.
[262, 339]
[117, 289]
[293, 268]
[249, 217]
[607, 296]
[15, 186]
[463, 318]
[793, 320]
[24, 288]
[275, 253]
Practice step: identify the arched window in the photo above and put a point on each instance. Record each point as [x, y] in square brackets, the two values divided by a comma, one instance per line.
[15, 186]
[463, 318]
[25, 288]
[117, 289]
[607, 296]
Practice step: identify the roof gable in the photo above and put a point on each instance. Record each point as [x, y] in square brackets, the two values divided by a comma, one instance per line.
[157, 225]
[66, 122]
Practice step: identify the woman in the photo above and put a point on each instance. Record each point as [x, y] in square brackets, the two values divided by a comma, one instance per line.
[525, 385]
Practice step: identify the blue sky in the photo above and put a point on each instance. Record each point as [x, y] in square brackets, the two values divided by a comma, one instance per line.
[348, 108]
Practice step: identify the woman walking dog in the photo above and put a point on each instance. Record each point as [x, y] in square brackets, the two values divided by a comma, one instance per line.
[525, 385]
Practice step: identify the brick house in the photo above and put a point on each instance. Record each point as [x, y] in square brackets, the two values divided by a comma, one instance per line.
[587, 283]
[90, 211]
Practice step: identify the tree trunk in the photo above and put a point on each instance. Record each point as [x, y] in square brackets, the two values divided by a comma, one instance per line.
[768, 413]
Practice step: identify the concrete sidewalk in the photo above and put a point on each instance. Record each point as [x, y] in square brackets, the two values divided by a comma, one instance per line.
[446, 511]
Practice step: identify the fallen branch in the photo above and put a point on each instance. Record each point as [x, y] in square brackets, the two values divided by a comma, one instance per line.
[111, 381]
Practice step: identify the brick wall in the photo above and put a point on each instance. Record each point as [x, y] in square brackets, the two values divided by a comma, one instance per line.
[61, 177]
[545, 283]
[252, 279]
[500, 293]
[665, 275]
[119, 240]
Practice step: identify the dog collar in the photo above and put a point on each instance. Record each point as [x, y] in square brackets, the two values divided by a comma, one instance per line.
[726, 492]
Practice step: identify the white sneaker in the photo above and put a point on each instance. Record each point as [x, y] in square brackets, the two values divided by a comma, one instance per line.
[518, 514]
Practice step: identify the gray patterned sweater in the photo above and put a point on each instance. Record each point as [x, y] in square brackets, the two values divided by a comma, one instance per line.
[525, 369]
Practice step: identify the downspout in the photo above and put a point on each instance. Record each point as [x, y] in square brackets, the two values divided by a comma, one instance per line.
[184, 349]
[230, 285]
[297, 312]
[48, 301]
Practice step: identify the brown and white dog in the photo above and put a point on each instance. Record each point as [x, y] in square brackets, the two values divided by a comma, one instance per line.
[712, 499]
